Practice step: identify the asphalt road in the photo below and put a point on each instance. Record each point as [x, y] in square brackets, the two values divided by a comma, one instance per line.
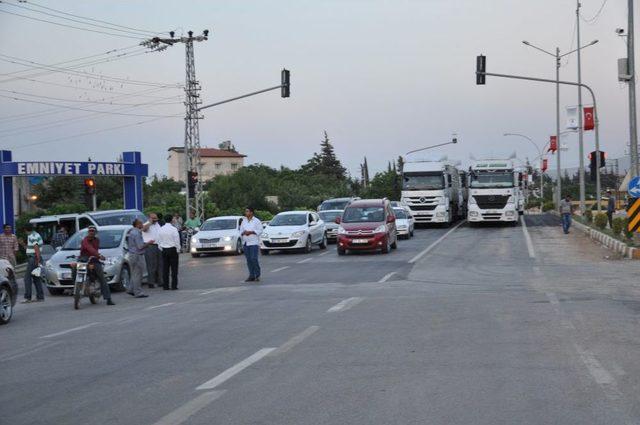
[467, 325]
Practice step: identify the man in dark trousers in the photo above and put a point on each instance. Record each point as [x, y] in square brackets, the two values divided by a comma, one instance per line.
[611, 208]
[90, 250]
[169, 243]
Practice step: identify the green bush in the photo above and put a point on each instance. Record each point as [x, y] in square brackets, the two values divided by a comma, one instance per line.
[618, 225]
[600, 220]
[625, 231]
[588, 215]
[548, 206]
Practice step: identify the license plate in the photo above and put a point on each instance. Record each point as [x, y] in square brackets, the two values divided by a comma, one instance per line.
[208, 245]
[279, 240]
[360, 241]
[65, 275]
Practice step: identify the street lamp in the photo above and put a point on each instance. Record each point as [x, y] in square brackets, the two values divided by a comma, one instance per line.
[453, 141]
[540, 155]
[557, 57]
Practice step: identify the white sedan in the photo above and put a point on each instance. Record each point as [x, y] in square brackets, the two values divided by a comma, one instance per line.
[405, 223]
[298, 230]
[219, 234]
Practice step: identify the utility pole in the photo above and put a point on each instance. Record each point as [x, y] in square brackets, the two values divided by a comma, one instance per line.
[558, 170]
[192, 163]
[580, 117]
[631, 71]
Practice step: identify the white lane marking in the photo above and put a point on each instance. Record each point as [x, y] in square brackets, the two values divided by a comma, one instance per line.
[279, 269]
[324, 253]
[153, 307]
[305, 260]
[295, 340]
[386, 277]
[225, 290]
[190, 408]
[79, 328]
[553, 299]
[234, 370]
[133, 318]
[527, 238]
[433, 245]
[40, 346]
[344, 304]
[599, 373]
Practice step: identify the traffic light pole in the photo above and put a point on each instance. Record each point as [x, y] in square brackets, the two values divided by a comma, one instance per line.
[595, 115]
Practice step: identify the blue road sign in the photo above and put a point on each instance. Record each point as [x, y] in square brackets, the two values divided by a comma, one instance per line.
[634, 187]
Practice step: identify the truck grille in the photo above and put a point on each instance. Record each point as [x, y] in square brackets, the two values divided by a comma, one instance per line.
[422, 207]
[491, 202]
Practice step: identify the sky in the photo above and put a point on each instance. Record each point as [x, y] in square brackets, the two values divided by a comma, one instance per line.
[381, 77]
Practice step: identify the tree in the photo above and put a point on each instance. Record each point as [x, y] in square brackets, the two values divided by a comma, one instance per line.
[325, 162]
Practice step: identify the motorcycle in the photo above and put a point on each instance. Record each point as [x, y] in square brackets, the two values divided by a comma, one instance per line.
[86, 283]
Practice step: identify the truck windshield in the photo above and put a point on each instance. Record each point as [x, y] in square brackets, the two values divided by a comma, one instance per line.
[500, 179]
[422, 181]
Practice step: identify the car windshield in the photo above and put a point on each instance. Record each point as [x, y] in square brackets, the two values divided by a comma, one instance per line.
[498, 179]
[422, 181]
[330, 216]
[363, 215]
[334, 205]
[400, 213]
[113, 219]
[289, 220]
[220, 224]
[108, 239]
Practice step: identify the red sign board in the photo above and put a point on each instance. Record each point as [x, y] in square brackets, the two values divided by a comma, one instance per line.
[545, 164]
[589, 120]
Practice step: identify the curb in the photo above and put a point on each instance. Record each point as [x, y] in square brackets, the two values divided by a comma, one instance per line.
[608, 241]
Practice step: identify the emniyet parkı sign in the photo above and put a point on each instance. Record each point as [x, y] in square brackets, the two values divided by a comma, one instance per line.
[67, 168]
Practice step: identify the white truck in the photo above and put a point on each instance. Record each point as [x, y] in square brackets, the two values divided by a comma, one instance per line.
[494, 192]
[433, 192]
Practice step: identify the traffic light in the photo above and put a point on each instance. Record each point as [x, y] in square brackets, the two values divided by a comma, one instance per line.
[593, 163]
[286, 84]
[192, 181]
[481, 68]
[89, 186]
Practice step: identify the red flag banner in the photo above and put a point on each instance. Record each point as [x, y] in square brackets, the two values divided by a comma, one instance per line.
[544, 165]
[553, 144]
[589, 121]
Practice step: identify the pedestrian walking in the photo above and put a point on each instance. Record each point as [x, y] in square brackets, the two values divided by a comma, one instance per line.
[34, 242]
[8, 245]
[169, 243]
[152, 254]
[611, 208]
[137, 247]
[60, 237]
[251, 229]
[566, 210]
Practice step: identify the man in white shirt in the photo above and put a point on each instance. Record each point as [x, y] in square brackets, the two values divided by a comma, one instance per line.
[251, 229]
[152, 255]
[169, 243]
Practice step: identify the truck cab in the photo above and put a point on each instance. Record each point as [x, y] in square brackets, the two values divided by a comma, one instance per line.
[494, 192]
[432, 191]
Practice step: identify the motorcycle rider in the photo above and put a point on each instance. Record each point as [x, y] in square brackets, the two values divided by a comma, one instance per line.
[90, 247]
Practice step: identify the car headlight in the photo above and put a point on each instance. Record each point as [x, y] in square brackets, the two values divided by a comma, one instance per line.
[298, 234]
[194, 240]
[341, 230]
[110, 261]
[381, 229]
[264, 235]
[226, 238]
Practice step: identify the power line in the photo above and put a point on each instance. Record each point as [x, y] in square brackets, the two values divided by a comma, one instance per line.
[99, 102]
[70, 26]
[595, 17]
[111, 27]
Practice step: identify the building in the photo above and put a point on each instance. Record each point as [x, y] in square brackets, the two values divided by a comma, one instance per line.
[215, 162]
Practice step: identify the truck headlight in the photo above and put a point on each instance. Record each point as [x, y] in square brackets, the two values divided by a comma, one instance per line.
[472, 200]
[440, 214]
[509, 213]
[473, 213]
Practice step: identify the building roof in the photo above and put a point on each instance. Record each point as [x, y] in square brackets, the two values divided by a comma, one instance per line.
[211, 153]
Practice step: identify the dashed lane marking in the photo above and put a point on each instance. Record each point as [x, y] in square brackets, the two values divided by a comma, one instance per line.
[153, 307]
[386, 277]
[527, 238]
[306, 260]
[433, 245]
[234, 370]
[279, 269]
[79, 328]
[229, 289]
[190, 408]
[344, 305]
[295, 340]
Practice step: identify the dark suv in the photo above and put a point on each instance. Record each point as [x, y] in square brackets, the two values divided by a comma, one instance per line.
[366, 225]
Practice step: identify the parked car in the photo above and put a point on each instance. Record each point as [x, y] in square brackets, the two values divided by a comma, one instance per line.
[335, 204]
[367, 224]
[329, 218]
[405, 223]
[8, 291]
[219, 234]
[298, 230]
[113, 246]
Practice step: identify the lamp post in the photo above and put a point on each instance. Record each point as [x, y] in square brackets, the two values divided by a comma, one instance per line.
[557, 57]
[453, 141]
[540, 155]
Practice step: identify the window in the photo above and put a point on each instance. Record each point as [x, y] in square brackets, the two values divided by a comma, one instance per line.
[84, 222]
[218, 165]
[234, 166]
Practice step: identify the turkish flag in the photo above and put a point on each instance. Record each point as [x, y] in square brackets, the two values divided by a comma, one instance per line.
[544, 165]
[589, 121]
[553, 144]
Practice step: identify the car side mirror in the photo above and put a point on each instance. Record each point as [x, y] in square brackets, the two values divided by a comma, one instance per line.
[313, 223]
[338, 220]
[58, 248]
[391, 219]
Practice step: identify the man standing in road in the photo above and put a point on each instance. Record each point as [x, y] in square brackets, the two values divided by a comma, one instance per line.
[34, 242]
[137, 248]
[90, 251]
[566, 209]
[611, 208]
[152, 254]
[251, 229]
[169, 242]
[8, 245]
